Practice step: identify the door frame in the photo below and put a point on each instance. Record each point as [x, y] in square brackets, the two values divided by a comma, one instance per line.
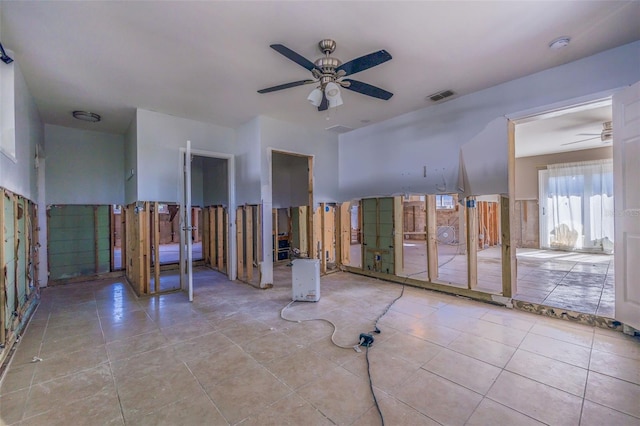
[231, 196]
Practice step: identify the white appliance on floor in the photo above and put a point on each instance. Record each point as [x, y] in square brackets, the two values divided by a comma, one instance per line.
[306, 280]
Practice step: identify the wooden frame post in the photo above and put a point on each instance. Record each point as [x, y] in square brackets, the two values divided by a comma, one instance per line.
[248, 235]
[156, 247]
[508, 254]
[432, 237]
[472, 242]
[3, 283]
[240, 241]
[220, 237]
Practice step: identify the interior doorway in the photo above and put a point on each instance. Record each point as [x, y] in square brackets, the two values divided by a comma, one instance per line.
[564, 209]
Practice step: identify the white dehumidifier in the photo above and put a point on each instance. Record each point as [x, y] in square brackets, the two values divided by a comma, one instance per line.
[306, 280]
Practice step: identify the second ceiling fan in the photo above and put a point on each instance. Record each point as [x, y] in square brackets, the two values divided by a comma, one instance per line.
[329, 73]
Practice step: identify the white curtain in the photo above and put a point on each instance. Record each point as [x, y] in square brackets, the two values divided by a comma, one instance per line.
[579, 204]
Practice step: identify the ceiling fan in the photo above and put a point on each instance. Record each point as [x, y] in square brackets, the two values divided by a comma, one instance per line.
[329, 73]
[605, 136]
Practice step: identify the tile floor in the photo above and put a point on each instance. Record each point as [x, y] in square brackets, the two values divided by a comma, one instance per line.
[108, 357]
[575, 281]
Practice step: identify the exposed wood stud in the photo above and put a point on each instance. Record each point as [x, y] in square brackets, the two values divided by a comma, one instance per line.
[248, 234]
[220, 237]
[3, 278]
[432, 237]
[156, 247]
[240, 242]
[472, 243]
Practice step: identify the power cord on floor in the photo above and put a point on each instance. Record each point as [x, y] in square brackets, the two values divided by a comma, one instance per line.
[365, 339]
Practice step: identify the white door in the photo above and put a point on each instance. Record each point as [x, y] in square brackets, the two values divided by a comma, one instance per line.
[186, 258]
[626, 154]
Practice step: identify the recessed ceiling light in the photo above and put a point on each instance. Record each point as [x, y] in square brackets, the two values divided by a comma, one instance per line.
[560, 43]
[86, 116]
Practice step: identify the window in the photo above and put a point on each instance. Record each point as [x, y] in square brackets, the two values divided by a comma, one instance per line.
[7, 112]
[445, 202]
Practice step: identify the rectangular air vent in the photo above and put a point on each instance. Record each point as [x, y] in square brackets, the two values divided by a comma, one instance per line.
[339, 128]
[441, 95]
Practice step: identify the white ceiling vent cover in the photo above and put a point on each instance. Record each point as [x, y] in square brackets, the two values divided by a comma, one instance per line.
[339, 129]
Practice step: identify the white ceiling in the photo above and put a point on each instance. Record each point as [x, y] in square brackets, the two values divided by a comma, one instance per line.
[569, 130]
[205, 60]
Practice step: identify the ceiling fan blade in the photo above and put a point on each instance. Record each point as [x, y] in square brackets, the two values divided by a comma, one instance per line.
[583, 140]
[365, 62]
[286, 86]
[324, 105]
[295, 57]
[367, 89]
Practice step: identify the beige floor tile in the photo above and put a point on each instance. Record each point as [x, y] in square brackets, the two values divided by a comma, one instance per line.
[544, 403]
[185, 331]
[12, 406]
[556, 349]
[437, 334]
[222, 365]
[617, 366]
[597, 415]
[61, 365]
[560, 375]
[65, 345]
[135, 345]
[101, 408]
[17, 378]
[270, 347]
[416, 310]
[463, 370]
[68, 389]
[152, 362]
[410, 348]
[245, 395]
[326, 349]
[394, 412]
[565, 334]
[620, 345]
[388, 371]
[246, 331]
[304, 333]
[439, 399]
[290, 410]
[340, 395]
[483, 349]
[146, 394]
[194, 409]
[613, 393]
[57, 332]
[508, 319]
[498, 333]
[202, 346]
[490, 413]
[302, 367]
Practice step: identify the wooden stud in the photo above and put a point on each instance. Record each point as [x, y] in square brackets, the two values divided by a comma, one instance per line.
[220, 237]
[123, 238]
[112, 238]
[258, 227]
[96, 259]
[322, 249]
[3, 283]
[507, 214]
[432, 237]
[16, 245]
[248, 235]
[156, 247]
[310, 214]
[345, 234]
[472, 244]
[240, 242]
[146, 226]
[398, 236]
[303, 212]
[227, 245]
[274, 222]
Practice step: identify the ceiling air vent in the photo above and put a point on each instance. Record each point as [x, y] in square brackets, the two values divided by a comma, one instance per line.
[339, 128]
[441, 95]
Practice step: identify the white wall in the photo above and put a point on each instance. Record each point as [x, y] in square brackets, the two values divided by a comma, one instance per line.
[197, 182]
[19, 175]
[131, 162]
[322, 145]
[84, 167]
[290, 180]
[160, 137]
[216, 182]
[248, 163]
[389, 157]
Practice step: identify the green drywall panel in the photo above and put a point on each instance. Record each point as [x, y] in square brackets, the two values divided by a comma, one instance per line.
[377, 234]
[295, 227]
[9, 258]
[22, 257]
[77, 238]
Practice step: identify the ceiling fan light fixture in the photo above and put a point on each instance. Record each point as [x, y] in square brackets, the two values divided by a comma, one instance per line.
[315, 97]
[91, 117]
[332, 90]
